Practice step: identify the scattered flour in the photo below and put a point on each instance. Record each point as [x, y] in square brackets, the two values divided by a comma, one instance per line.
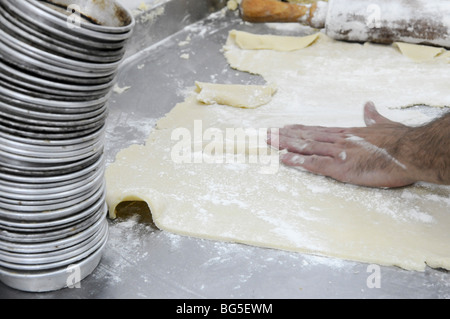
[119, 90]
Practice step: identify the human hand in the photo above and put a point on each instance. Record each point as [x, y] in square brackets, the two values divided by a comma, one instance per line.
[368, 156]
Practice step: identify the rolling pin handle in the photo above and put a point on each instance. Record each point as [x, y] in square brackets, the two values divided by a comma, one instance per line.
[278, 11]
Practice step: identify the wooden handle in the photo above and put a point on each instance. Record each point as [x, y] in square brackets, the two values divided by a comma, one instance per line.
[277, 11]
[272, 11]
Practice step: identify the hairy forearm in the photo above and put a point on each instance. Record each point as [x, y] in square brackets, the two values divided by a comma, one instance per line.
[427, 149]
[382, 154]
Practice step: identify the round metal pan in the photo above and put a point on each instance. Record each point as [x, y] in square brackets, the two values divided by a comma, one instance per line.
[57, 125]
[105, 16]
[37, 93]
[22, 111]
[55, 36]
[56, 128]
[17, 168]
[36, 206]
[46, 23]
[29, 27]
[24, 197]
[51, 220]
[49, 236]
[49, 152]
[20, 55]
[54, 19]
[43, 136]
[55, 279]
[26, 65]
[41, 55]
[32, 82]
[56, 225]
[89, 246]
[57, 146]
[54, 180]
[14, 97]
[58, 257]
[42, 192]
[35, 248]
[22, 31]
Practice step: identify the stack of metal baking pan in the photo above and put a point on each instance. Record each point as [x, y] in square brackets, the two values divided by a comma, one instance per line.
[58, 61]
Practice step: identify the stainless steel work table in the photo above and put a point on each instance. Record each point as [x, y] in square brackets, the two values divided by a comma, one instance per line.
[141, 261]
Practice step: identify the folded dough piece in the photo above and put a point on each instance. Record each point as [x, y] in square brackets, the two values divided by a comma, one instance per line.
[249, 41]
[243, 96]
[419, 53]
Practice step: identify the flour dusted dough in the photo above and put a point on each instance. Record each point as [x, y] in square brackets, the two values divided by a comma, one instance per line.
[245, 96]
[206, 194]
[419, 53]
[249, 41]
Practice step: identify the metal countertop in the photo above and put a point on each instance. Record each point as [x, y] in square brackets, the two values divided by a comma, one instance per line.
[143, 262]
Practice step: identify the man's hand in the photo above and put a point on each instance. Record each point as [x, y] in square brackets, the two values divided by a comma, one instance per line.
[383, 154]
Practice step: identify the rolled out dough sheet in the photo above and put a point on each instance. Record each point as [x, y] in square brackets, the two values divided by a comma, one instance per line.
[195, 189]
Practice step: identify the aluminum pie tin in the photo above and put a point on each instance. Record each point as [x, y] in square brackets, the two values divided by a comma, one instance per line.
[44, 261]
[64, 218]
[82, 237]
[55, 279]
[52, 146]
[33, 82]
[56, 60]
[34, 206]
[54, 180]
[51, 226]
[20, 202]
[53, 26]
[7, 83]
[16, 98]
[109, 16]
[47, 261]
[30, 32]
[44, 166]
[48, 192]
[48, 151]
[54, 127]
[31, 170]
[38, 217]
[53, 235]
[51, 45]
[60, 124]
[49, 165]
[12, 110]
[51, 17]
[43, 247]
[46, 135]
[14, 201]
[58, 257]
[19, 54]
[26, 65]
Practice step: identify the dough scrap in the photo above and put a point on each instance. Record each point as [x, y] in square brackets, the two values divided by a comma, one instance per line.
[419, 53]
[249, 41]
[193, 189]
[245, 96]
